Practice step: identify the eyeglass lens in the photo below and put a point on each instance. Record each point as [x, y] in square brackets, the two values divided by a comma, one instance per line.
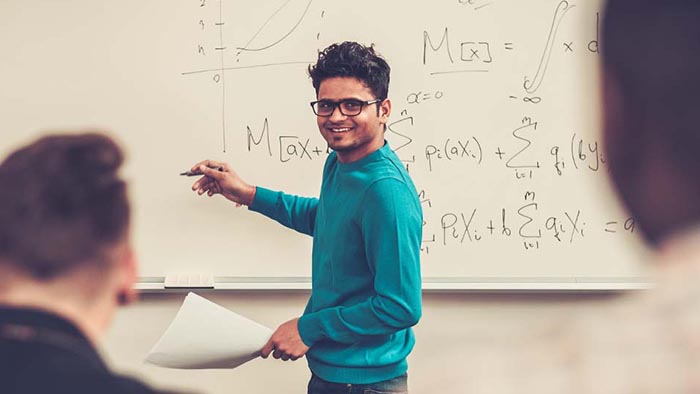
[347, 107]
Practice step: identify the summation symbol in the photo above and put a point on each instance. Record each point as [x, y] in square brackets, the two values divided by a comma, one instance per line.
[406, 140]
[528, 126]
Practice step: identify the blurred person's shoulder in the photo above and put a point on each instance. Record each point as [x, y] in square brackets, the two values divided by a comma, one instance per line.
[645, 341]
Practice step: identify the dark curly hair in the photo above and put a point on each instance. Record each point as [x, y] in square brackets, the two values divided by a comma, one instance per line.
[350, 59]
[62, 203]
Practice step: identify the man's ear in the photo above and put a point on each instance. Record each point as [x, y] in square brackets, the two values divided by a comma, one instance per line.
[126, 293]
[384, 111]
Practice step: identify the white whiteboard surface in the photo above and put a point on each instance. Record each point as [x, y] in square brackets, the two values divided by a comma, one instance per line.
[495, 113]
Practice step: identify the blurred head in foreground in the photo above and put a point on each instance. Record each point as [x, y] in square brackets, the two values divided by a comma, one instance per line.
[64, 230]
[651, 60]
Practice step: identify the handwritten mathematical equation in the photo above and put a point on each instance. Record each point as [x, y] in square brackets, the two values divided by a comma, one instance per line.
[288, 148]
[579, 153]
[442, 51]
[445, 49]
[528, 224]
[439, 51]
[516, 154]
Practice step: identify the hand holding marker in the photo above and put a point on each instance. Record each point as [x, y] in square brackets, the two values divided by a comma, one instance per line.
[197, 173]
[219, 178]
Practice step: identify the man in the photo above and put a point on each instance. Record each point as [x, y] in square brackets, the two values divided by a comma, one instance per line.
[65, 263]
[645, 342]
[651, 58]
[366, 228]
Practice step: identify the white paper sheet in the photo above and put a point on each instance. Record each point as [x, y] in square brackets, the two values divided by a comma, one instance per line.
[206, 335]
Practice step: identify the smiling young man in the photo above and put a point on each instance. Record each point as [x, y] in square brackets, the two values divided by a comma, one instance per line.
[351, 137]
[366, 227]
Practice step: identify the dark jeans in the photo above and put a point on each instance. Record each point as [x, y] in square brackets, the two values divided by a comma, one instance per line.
[397, 385]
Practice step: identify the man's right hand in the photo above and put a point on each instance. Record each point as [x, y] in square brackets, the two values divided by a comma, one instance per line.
[225, 182]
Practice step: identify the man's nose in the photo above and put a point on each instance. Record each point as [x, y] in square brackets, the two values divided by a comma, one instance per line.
[336, 115]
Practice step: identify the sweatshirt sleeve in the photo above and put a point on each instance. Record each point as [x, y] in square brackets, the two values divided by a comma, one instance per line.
[391, 223]
[297, 213]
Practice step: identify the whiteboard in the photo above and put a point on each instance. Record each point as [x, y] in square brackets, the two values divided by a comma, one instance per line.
[495, 114]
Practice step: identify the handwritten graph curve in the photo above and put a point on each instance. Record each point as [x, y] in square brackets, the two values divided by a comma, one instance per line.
[247, 48]
[531, 86]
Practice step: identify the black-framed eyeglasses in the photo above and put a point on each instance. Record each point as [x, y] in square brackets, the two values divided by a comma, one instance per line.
[347, 107]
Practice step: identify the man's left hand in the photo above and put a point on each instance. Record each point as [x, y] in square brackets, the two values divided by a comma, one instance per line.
[286, 343]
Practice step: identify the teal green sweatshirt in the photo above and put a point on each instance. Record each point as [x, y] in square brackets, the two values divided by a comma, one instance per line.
[366, 284]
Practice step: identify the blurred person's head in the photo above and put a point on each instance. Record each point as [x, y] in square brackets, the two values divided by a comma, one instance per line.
[651, 84]
[64, 229]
